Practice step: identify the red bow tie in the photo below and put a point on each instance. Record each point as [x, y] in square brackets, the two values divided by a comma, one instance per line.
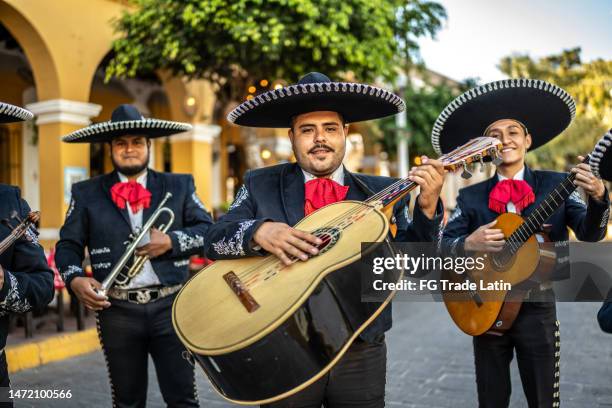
[322, 191]
[133, 193]
[517, 191]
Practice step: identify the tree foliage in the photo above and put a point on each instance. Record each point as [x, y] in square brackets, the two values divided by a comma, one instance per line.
[590, 84]
[237, 42]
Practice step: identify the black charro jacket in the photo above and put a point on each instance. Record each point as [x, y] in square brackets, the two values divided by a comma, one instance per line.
[95, 222]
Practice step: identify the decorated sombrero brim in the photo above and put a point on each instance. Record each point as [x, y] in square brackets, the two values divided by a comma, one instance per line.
[545, 109]
[11, 113]
[601, 157]
[316, 92]
[126, 120]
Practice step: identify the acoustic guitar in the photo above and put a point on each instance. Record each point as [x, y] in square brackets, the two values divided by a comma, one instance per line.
[262, 331]
[524, 257]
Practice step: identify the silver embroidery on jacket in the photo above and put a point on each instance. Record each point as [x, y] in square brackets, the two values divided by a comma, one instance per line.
[183, 262]
[604, 218]
[71, 270]
[407, 215]
[454, 244]
[234, 246]
[96, 251]
[32, 236]
[197, 201]
[70, 208]
[187, 242]
[456, 214]
[242, 195]
[14, 302]
[101, 265]
[440, 235]
[577, 198]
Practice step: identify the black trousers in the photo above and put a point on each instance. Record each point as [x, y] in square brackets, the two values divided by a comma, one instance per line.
[358, 380]
[129, 333]
[535, 338]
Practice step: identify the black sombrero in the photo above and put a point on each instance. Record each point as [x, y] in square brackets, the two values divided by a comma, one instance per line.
[11, 113]
[126, 120]
[601, 157]
[316, 92]
[545, 109]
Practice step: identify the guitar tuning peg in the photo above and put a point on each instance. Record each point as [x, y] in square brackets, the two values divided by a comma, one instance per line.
[482, 164]
[466, 173]
[497, 160]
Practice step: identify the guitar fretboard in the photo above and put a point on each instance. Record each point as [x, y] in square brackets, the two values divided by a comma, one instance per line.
[540, 214]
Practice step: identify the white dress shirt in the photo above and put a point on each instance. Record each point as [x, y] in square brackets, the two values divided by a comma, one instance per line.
[337, 175]
[518, 176]
[147, 276]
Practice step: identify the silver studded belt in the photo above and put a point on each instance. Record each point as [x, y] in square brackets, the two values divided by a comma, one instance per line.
[144, 295]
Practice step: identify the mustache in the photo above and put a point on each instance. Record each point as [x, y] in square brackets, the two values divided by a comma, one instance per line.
[321, 146]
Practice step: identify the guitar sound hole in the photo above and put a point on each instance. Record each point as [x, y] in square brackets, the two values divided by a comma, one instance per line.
[329, 236]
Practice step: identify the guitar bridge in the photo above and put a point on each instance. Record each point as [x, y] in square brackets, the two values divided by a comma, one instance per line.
[239, 289]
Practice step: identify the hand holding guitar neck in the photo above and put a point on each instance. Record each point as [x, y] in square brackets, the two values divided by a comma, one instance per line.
[592, 185]
[430, 177]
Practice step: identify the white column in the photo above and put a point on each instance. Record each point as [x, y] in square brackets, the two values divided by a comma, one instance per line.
[60, 111]
[64, 111]
[29, 156]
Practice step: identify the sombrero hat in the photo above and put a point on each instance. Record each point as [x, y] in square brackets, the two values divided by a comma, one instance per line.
[601, 157]
[316, 92]
[544, 109]
[126, 120]
[11, 113]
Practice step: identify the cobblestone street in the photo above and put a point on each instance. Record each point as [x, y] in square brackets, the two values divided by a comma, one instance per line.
[430, 364]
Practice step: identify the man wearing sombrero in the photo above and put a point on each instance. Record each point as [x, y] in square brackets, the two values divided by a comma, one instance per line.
[26, 281]
[317, 112]
[134, 321]
[523, 114]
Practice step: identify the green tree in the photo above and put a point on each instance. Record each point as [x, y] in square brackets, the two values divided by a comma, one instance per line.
[235, 43]
[590, 84]
[424, 102]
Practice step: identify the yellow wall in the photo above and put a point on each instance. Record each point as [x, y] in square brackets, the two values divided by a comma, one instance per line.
[193, 157]
[64, 42]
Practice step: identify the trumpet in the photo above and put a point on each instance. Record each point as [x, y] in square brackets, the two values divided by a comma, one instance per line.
[116, 276]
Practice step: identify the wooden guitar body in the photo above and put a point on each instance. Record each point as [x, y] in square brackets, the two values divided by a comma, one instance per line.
[476, 312]
[296, 332]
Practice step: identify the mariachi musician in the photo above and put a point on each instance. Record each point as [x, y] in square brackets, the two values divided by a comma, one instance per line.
[134, 320]
[26, 281]
[523, 114]
[273, 199]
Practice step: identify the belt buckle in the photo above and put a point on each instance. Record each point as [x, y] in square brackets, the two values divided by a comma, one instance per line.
[143, 296]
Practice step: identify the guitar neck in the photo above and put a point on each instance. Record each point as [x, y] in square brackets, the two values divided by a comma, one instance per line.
[15, 234]
[393, 193]
[8, 241]
[542, 212]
